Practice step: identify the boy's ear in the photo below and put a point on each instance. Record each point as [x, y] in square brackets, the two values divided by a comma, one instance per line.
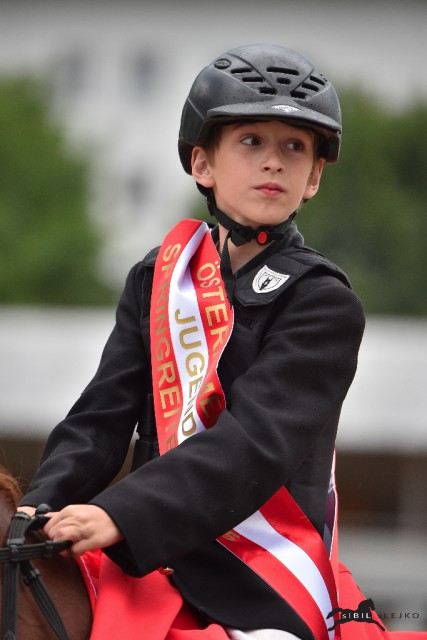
[313, 182]
[201, 168]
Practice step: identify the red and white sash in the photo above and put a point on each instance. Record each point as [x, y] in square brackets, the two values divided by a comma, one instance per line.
[191, 322]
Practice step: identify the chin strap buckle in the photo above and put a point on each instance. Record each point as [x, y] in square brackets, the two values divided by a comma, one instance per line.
[262, 237]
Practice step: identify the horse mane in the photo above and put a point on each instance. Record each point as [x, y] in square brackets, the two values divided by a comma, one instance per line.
[10, 488]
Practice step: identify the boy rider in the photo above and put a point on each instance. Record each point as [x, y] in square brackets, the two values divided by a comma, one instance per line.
[237, 508]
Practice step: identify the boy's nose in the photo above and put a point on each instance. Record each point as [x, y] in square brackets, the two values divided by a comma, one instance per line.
[273, 161]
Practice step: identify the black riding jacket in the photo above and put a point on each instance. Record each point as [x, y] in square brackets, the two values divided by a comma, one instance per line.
[285, 373]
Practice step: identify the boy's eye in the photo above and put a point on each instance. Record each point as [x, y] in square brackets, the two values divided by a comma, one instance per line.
[251, 140]
[295, 145]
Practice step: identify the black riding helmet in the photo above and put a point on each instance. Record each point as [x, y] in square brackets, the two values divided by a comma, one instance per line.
[258, 82]
[261, 81]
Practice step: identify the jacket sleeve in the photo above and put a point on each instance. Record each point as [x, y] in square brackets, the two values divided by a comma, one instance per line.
[87, 449]
[276, 411]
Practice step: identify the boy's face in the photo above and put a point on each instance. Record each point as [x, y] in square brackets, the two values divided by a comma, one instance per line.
[260, 171]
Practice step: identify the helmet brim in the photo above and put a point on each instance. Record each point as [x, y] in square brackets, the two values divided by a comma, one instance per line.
[286, 111]
[327, 128]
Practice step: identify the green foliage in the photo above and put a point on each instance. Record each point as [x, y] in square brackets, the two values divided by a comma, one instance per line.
[369, 215]
[47, 246]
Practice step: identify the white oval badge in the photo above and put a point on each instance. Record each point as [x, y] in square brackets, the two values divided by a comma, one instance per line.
[286, 108]
[267, 280]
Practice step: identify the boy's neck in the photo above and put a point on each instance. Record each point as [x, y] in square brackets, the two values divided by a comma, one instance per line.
[239, 256]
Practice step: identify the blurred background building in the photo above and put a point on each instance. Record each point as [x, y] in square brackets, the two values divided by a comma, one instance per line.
[117, 75]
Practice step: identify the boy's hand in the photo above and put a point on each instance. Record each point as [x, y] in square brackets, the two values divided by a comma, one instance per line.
[87, 526]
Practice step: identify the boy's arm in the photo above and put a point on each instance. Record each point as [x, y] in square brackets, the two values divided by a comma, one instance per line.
[278, 409]
[86, 450]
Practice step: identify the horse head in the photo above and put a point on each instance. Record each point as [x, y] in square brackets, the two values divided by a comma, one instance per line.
[60, 574]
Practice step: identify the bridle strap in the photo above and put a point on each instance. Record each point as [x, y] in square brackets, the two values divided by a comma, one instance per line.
[33, 580]
[30, 551]
[16, 555]
[18, 527]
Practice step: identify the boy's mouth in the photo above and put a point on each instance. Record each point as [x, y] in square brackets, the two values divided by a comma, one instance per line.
[270, 189]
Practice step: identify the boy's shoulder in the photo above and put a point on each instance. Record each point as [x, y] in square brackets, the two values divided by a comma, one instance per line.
[308, 258]
[283, 270]
[150, 258]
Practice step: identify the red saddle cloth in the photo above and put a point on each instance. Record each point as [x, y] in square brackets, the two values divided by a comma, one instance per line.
[151, 608]
[148, 608]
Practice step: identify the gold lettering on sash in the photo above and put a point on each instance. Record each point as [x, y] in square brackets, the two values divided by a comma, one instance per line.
[161, 324]
[232, 536]
[194, 365]
[210, 403]
[171, 252]
[193, 426]
[206, 275]
[191, 366]
[171, 442]
[194, 386]
[185, 332]
[184, 320]
[190, 345]
[215, 310]
[219, 293]
[216, 314]
[169, 393]
[169, 414]
[222, 333]
[161, 353]
[168, 373]
[215, 323]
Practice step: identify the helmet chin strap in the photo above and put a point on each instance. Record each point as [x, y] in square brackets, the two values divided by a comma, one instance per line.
[240, 234]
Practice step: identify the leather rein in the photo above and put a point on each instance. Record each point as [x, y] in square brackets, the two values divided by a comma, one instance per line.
[17, 555]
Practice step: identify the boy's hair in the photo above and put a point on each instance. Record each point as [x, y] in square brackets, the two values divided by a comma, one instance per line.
[212, 141]
[260, 82]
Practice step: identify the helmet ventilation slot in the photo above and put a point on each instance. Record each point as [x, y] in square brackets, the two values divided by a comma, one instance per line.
[276, 75]
[252, 79]
[241, 70]
[269, 91]
[306, 90]
[299, 95]
[322, 80]
[310, 87]
[247, 78]
[282, 74]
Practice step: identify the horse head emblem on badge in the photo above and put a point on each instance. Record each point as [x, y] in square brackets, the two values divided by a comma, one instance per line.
[267, 280]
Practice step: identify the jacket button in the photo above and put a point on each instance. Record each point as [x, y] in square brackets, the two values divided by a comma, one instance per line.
[166, 571]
